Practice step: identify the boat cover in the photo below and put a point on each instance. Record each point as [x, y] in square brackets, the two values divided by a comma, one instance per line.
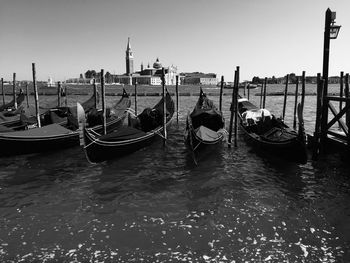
[124, 133]
[48, 130]
[207, 134]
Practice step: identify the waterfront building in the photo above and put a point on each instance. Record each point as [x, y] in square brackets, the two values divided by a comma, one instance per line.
[198, 78]
[146, 76]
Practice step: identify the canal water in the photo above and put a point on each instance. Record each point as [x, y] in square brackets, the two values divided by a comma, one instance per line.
[155, 205]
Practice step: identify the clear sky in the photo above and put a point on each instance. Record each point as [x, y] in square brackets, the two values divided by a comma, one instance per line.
[264, 37]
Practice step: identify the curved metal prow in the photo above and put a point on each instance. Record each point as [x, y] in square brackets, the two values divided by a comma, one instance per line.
[81, 123]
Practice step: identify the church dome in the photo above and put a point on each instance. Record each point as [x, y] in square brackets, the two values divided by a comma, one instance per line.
[157, 64]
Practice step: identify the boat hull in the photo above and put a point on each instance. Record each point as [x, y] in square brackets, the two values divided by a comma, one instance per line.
[98, 151]
[271, 136]
[127, 139]
[293, 150]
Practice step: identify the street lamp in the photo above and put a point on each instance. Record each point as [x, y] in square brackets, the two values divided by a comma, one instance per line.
[333, 29]
[330, 32]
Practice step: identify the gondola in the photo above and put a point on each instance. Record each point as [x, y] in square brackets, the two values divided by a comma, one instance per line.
[54, 136]
[139, 133]
[204, 125]
[11, 104]
[25, 116]
[271, 134]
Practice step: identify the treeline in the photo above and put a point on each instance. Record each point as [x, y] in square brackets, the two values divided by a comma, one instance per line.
[292, 79]
[97, 75]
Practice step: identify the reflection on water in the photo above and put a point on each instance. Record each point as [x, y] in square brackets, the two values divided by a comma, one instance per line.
[237, 205]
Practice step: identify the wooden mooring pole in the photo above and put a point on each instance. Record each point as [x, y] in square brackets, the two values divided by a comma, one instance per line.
[59, 94]
[261, 94]
[295, 104]
[248, 91]
[285, 98]
[232, 111]
[264, 98]
[236, 106]
[341, 92]
[135, 92]
[95, 92]
[36, 97]
[27, 94]
[65, 96]
[347, 117]
[164, 107]
[103, 91]
[177, 98]
[317, 133]
[303, 81]
[221, 90]
[2, 89]
[14, 90]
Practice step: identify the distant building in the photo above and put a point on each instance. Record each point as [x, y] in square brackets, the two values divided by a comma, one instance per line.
[146, 76]
[198, 78]
[50, 82]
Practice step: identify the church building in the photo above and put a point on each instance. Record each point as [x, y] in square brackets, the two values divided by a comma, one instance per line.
[146, 76]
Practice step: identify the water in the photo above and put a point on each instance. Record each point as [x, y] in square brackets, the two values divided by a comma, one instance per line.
[156, 206]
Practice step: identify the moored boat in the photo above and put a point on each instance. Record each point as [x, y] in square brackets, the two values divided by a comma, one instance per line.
[53, 136]
[139, 133]
[205, 125]
[271, 134]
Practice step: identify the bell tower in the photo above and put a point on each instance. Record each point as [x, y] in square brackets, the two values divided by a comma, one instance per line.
[129, 59]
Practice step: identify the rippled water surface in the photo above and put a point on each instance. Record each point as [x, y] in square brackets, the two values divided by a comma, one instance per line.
[155, 205]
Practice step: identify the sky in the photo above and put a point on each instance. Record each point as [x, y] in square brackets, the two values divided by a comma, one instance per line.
[265, 38]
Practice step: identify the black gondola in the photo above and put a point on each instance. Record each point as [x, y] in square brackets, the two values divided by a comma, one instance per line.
[139, 133]
[271, 134]
[55, 136]
[25, 116]
[11, 104]
[204, 125]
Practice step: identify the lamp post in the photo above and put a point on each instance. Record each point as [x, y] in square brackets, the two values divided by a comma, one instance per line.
[330, 32]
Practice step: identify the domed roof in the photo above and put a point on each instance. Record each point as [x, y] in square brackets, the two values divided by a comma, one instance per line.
[157, 64]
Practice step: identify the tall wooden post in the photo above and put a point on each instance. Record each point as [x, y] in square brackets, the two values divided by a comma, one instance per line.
[27, 94]
[285, 98]
[236, 107]
[261, 94]
[232, 112]
[341, 91]
[135, 91]
[177, 98]
[347, 117]
[14, 90]
[36, 97]
[65, 96]
[59, 94]
[317, 133]
[2, 89]
[303, 80]
[164, 106]
[248, 92]
[103, 91]
[95, 92]
[264, 98]
[295, 104]
[221, 90]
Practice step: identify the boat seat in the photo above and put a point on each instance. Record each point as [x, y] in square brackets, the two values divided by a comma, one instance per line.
[254, 116]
